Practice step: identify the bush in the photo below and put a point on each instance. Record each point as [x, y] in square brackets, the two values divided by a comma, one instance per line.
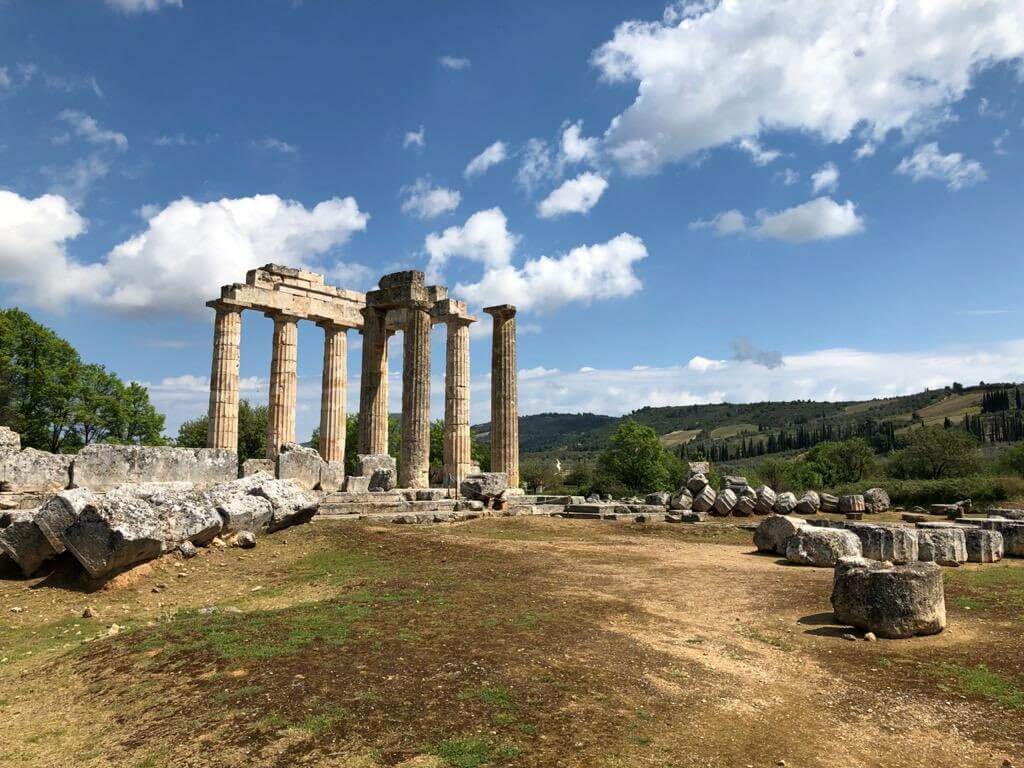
[635, 461]
[935, 452]
[981, 489]
[1013, 459]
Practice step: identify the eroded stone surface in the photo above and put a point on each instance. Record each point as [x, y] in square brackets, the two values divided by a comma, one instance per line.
[380, 468]
[24, 543]
[291, 504]
[809, 504]
[983, 546]
[945, 546]
[32, 471]
[332, 476]
[785, 503]
[821, 547]
[853, 502]
[893, 601]
[884, 542]
[681, 499]
[724, 503]
[484, 486]
[303, 465]
[765, 500]
[704, 500]
[256, 466]
[102, 467]
[10, 442]
[772, 534]
[59, 512]
[114, 533]
[876, 500]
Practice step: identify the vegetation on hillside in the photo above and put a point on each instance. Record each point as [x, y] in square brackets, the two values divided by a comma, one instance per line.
[59, 403]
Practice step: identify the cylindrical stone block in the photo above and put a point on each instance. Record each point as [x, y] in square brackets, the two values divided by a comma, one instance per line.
[456, 403]
[222, 430]
[504, 394]
[414, 468]
[373, 387]
[283, 384]
[333, 392]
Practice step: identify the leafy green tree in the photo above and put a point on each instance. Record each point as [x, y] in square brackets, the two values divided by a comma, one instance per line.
[634, 460]
[933, 452]
[99, 409]
[849, 461]
[252, 431]
[1013, 459]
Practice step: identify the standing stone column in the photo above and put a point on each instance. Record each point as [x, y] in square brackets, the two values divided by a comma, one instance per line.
[283, 384]
[333, 391]
[373, 384]
[222, 431]
[456, 402]
[414, 468]
[504, 394]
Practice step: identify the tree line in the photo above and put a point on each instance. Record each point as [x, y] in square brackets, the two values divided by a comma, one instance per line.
[58, 402]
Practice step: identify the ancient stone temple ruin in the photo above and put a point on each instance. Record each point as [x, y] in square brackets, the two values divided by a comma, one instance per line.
[402, 302]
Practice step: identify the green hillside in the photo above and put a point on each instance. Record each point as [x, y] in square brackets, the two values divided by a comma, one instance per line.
[761, 427]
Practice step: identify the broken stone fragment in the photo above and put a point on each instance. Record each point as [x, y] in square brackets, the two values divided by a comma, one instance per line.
[332, 476]
[696, 483]
[886, 542]
[381, 470]
[244, 513]
[301, 464]
[32, 471]
[853, 502]
[291, 504]
[772, 534]
[809, 504]
[681, 499]
[821, 547]
[829, 503]
[484, 486]
[765, 500]
[785, 503]
[354, 484]
[945, 546]
[59, 512]
[10, 442]
[257, 466]
[114, 533]
[983, 546]
[724, 503]
[704, 500]
[244, 540]
[24, 543]
[658, 499]
[876, 501]
[745, 506]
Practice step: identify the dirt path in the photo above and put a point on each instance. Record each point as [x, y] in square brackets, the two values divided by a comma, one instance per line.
[525, 642]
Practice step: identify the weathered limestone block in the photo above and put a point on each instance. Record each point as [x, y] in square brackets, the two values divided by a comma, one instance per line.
[1013, 535]
[102, 467]
[765, 500]
[10, 442]
[772, 534]
[785, 503]
[114, 533]
[746, 492]
[851, 503]
[821, 547]
[696, 483]
[303, 465]
[660, 499]
[332, 476]
[244, 513]
[256, 466]
[681, 499]
[735, 483]
[485, 486]
[829, 503]
[704, 500]
[692, 516]
[146, 491]
[724, 503]
[876, 501]
[884, 542]
[698, 468]
[186, 516]
[24, 543]
[893, 601]
[59, 512]
[380, 468]
[983, 546]
[1010, 513]
[354, 484]
[32, 471]
[292, 505]
[945, 546]
[809, 504]
[745, 506]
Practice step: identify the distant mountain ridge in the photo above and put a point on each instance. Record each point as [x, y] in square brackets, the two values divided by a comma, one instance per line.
[734, 423]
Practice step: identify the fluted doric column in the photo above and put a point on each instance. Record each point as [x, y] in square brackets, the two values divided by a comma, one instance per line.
[222, 431]
[414, 468]
[283, 384]
[456, 402]
[504, 394]
[333, 392]
[373, 384]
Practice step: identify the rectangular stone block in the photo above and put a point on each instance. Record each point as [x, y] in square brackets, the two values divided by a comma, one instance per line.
[102, 467]
[252, 467]
[32, 471]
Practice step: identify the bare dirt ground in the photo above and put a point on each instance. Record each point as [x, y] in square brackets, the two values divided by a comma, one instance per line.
[530, 642]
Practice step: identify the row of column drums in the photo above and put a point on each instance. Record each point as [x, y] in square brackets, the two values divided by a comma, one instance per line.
[414, 454]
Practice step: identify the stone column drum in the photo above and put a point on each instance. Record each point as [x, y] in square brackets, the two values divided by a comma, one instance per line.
[504, 394]
[414, 469]
[456, 402]
[332, 393]
[373, 387]
[222, 431]
[283, 384]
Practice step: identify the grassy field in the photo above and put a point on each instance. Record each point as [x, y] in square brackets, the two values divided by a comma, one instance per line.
[498, 642]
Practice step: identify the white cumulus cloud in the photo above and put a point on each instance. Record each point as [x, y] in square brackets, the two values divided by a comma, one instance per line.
[415, 138]
[928, 162]
[494, 154]
[484, 238]
[577, 148]
[426, 201]
[825, 179]
[758, 154]
[187, 251]
[819, 219]
[577, 195]
[712, 73]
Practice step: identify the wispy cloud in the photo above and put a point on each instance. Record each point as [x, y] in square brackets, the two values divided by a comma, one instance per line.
[416, 139]
[454, 62]
[278, 146]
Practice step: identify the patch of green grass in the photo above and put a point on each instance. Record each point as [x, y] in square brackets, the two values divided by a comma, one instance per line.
[528, 728]
[529, 620]
[230, 696]
[775, 642]
[20, 641]
[494, 696]
[987, 587]
[473, 752]
[319, 722]
[153, 759]
[338, 567]
[980, 681]
[969, 603]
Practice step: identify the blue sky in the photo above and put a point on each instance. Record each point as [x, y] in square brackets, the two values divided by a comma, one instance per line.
[688, 202]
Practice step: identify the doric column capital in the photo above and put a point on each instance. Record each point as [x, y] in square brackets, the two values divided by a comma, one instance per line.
[282, 317]
[501, 311]
[223, 308]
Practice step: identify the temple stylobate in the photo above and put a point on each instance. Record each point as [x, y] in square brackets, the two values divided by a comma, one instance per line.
[402, 302]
